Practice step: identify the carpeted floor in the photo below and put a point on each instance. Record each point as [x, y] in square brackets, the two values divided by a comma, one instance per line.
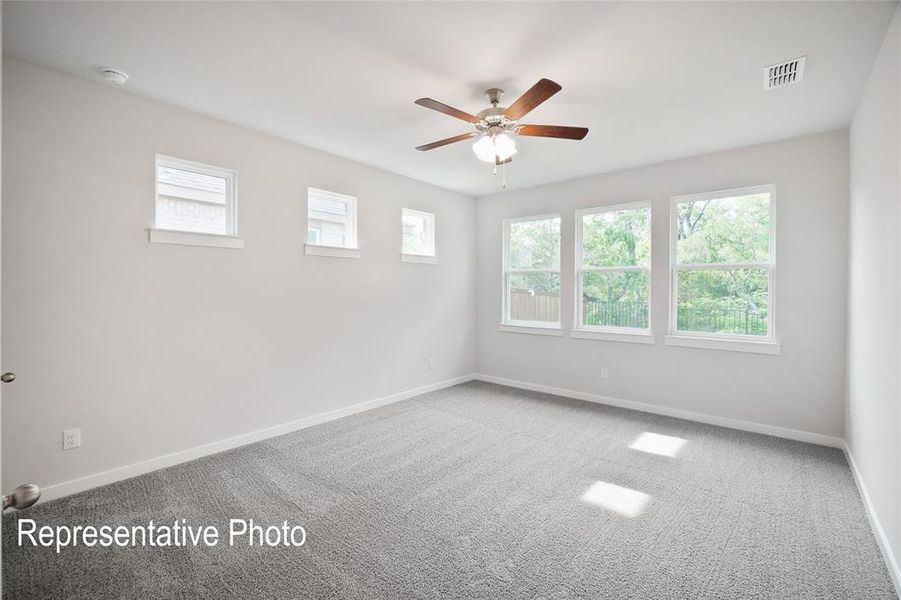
[482, 491]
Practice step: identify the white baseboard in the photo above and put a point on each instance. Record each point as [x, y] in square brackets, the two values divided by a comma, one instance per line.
[881, 538]
[66, 488]
[783, 432]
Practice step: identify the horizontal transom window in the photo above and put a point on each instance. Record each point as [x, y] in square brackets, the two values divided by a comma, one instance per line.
[193, 197]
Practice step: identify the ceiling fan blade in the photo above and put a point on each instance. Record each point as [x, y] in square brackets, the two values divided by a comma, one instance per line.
[536, 94]
[448, 110]
[446, 141]
[553, 131]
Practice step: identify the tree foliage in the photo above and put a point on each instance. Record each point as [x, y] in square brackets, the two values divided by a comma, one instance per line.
[727, 231]
[535, 245]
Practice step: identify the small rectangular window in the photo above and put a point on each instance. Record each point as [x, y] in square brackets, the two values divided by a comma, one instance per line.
[532, 271]
[723, 263]
[195, 198]
[613, 263]
[418, 233]
[331, 219]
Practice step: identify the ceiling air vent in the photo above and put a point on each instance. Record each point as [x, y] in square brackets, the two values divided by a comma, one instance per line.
[784, 73]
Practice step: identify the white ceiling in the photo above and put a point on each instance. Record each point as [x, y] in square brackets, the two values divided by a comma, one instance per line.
[653, 81]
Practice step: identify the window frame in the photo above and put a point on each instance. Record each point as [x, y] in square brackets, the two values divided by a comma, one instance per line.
[352, 249]
[431, 240]
[603, 332]
[768, 344]
[230, 238]
[516, 326]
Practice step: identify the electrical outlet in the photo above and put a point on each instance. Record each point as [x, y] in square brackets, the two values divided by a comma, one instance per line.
[605, 374]
[433, 362]
[71, 438]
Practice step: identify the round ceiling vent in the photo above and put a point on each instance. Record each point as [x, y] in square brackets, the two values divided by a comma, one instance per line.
[114, 76]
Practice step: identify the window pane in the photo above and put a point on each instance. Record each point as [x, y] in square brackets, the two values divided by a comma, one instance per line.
[535, 244]
[190, 201]
[615, 299]
[730, 301]
[418, 233]
[332, 217]
[725, 230]
[620, 238]
[534, 297]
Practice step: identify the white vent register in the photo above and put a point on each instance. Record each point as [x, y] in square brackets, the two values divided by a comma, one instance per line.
[784, 73]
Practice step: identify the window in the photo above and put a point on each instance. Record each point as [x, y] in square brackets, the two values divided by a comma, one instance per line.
[194, 198]
[418, 241]
[723, 264]
[331, 224]
[613, 263]
[532, 272]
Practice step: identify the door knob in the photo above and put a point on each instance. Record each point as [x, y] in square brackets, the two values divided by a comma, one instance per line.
[22, 497]
[8, 377]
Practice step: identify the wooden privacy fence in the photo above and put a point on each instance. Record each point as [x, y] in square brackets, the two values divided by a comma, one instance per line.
[526, 305]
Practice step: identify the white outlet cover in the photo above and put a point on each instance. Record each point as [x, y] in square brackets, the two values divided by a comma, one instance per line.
[71, 438]
[604, 374]
[433, 363]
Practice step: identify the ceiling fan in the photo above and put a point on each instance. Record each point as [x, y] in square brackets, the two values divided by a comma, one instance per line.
[497, 126]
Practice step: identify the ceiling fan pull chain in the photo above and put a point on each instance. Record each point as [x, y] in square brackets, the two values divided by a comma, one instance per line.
[504, 176]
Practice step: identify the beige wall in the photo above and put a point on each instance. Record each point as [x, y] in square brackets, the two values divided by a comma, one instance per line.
[873, 427]
[153, 348]
[802, 389]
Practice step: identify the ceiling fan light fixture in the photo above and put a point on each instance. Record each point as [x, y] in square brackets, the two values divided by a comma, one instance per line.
[494, 147]
[504, 146]
[484, 148]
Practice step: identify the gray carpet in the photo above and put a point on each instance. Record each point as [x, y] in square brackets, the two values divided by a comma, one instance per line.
[481, 491]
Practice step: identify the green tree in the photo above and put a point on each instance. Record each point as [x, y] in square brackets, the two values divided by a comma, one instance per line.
[724, 231]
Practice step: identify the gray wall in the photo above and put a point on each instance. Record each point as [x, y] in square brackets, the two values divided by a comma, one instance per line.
[874, 302]
[153, 348]
[802, 389]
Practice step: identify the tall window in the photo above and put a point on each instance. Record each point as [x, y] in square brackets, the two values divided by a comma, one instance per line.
[418, 232]
[194, 197]
[331, 219]
[532, 271]
[613, 260]
[723, 264]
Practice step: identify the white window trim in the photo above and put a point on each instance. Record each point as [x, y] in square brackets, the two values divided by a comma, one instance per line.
[535, 327]
[350, 233]
[614, 334]
[732, 344]
[419, 258]
[433, 238]
[231, 196]
[768, 344]
[333, 251]
[191, 238]
[611, 334]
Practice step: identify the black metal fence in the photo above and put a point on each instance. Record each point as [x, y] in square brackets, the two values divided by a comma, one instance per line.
[736, 321]
[615, 314]
[635, 314]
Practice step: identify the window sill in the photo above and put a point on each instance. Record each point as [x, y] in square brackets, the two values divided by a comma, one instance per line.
[731, 345]
[533, 329]
[336, 251]
[419, 258]
[632, 337]
[190, 238]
